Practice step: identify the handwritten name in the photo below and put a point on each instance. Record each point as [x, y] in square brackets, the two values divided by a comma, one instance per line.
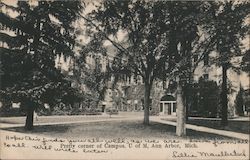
[234, 153]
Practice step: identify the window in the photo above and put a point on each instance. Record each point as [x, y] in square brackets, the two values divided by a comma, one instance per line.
[136, 107]
[103, 107]
[142, 103]
[135, 80]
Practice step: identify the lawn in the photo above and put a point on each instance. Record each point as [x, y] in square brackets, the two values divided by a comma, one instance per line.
[235, 126]
[114, 129]
[56, 119]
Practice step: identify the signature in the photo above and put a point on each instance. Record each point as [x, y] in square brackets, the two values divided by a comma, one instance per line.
[234, 153]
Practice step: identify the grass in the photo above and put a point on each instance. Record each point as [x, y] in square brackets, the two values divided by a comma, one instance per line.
[114, 129]
[133, 129]
[235, 126]
[54, 119]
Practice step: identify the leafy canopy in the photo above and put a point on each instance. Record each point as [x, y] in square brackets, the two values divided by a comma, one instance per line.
[42, 31]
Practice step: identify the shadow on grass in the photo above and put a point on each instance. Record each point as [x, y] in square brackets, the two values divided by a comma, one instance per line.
[40, 129]
[235, 126]
[120, 129]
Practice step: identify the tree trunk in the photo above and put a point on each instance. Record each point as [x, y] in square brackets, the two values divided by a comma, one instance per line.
[29, 118]
[181, 113]
[146, 103]
[224, 109]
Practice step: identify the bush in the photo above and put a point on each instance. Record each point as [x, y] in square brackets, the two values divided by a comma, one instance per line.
[112, 111]
[203, 98]
[11, 112]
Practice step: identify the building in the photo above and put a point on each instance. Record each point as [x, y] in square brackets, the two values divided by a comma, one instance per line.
[164, 103]
[128, 94]
[209, 71]
[168, 105]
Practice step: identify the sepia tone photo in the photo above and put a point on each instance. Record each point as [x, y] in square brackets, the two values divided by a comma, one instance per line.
[124, 79]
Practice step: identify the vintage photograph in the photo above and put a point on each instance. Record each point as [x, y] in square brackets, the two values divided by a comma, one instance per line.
[124, 79]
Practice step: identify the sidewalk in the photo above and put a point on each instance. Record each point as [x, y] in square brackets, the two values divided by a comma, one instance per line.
[247, 119]
[205, 129]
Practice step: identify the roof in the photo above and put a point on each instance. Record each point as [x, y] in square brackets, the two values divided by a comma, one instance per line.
[168, 98]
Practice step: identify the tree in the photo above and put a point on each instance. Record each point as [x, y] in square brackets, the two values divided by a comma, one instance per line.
[151, 48]
[239, 102]
[147, 28]
[95, 80]
[143, 22]
[91, 76]
[42, 31]
[185, 42]
[225, 22]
